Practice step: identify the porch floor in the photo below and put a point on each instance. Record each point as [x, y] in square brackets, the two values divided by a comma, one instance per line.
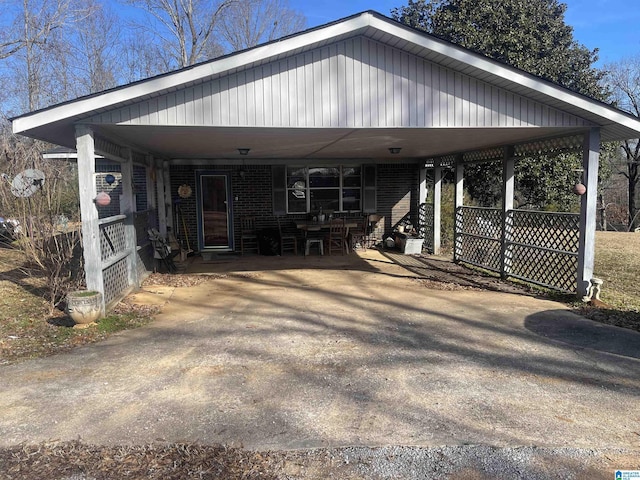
[294, 352]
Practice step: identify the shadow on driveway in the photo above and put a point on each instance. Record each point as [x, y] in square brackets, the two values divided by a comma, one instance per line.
[568, 328]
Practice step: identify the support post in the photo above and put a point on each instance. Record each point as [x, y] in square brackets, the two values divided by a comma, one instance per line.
[437, 206]
[459, 202]
[127, 207]
[152, 203]
[423, 193]
[162, 209]
[588, 209]
[168, 201]
[85, 146]
[508, 189]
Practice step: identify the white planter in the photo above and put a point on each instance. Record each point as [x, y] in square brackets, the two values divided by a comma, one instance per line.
[84, 306]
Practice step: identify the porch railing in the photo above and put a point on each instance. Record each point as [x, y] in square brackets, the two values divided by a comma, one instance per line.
[537, 247]
[114, 256]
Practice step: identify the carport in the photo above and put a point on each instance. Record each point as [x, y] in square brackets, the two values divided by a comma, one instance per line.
[369, 102]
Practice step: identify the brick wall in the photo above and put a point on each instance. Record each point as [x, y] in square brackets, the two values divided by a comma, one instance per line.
[397, 195]
[103, 168]
[251, 196]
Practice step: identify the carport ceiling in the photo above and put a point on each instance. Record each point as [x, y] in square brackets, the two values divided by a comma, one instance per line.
[322, 143]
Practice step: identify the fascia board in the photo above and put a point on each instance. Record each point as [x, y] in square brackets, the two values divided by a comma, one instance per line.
[129, 93]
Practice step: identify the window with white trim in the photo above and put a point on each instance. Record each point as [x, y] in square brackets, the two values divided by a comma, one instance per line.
[332, 188]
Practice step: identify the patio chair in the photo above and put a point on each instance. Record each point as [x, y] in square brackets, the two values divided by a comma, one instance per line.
[287, 241]
[337, 237]
[358, 234]
[248, 235]
[161, 250]
[372, 238]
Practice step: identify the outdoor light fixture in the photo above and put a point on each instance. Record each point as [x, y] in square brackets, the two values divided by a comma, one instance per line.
[242, 174]
[243, 151]
[394, 150]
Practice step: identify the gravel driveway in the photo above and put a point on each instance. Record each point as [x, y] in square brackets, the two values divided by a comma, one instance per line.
[292, 355]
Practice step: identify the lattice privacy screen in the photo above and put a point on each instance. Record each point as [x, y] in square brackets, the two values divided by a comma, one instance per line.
[540, 247]
[426, 225]
[543, 248]
[478, 237]
[115, 275]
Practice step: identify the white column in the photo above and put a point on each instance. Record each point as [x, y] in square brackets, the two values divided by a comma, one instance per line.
[588, 208]
[127, 207]
[152, 203]
[91, 251]
[162, 209]
[508, 188]
[423, 193]
[437, 206]
[459, 202]
[168, 201]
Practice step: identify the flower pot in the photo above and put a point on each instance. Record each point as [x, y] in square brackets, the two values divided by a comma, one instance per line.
[84, 306]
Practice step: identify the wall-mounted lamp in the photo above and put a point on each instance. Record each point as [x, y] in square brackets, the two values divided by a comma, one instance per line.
[242, 174]
[243, 151]
[394, 150]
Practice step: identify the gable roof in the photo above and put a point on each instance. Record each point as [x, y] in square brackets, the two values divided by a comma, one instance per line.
[56, 123]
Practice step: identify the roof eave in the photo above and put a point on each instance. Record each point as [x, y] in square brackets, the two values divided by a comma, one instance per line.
[131, 92]
[597, 112]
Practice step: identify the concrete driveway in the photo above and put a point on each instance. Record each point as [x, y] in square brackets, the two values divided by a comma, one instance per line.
[287, 353]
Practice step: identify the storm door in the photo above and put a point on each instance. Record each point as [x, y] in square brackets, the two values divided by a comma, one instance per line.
[214, 208]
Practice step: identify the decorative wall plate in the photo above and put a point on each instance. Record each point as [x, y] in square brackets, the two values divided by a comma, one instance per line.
[184, 191]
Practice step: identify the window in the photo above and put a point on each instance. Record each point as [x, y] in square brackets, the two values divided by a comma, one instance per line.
[331, 188]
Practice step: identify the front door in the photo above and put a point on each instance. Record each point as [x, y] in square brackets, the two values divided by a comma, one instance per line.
[214, 204]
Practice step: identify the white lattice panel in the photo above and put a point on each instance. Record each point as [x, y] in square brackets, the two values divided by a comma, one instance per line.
[426, 225]
[478, 237]
[116, 280]
[543, 248]
[112, 240]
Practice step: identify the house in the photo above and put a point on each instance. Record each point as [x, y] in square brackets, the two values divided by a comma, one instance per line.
[348, 116]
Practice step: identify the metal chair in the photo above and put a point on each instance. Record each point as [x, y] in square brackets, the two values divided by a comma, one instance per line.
[248, 235]
[337, 237]
[287, 242]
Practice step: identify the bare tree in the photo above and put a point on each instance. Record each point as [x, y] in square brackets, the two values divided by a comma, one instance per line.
[48, 235]
[623, 78]
[34, 42]
[141, 56]
[96, 48]
[185, 27]
[251, 22]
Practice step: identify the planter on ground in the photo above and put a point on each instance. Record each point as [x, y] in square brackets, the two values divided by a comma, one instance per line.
[84, 307]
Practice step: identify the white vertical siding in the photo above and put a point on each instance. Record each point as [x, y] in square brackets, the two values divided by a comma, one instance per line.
[355, 83]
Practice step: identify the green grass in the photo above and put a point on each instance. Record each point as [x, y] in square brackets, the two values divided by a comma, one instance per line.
[618, 264]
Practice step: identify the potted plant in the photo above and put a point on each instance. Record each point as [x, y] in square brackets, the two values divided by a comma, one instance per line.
[84, 306]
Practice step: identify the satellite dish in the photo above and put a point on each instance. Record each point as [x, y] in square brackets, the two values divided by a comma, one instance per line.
[27, 183]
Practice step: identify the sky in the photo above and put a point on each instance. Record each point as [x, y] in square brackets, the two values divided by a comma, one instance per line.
[612, 26]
